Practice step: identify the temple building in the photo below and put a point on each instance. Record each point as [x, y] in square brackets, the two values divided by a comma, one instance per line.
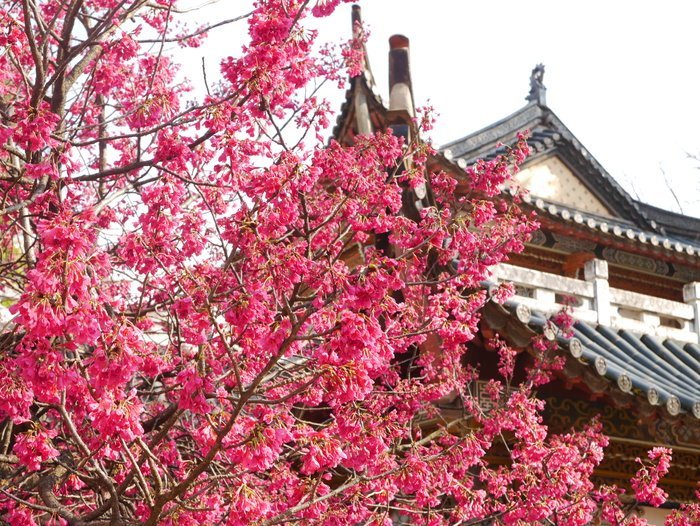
[629, 272]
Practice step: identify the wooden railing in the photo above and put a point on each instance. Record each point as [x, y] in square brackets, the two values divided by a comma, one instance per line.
[594, 301]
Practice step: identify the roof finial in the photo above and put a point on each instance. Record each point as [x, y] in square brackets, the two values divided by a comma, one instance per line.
[538, 93]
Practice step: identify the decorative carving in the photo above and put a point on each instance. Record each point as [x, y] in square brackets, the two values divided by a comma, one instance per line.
[538, 92]
[673, 405]
[636, 261]
[600, 365]
[653, 396]
[571, 244]
[565, 413]
[686, 274]
[619, 464]
[624, 383]
[575, 347]
[550, 331]
[686, 433]
[538, 238]
[523, 313]
[485, 399]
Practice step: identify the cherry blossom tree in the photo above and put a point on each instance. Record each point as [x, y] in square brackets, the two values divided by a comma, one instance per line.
[218, 319]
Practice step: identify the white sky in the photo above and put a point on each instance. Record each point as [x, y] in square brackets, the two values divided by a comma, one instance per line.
[622, 75]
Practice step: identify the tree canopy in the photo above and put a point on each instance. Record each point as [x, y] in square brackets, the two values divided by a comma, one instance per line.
[218, 319]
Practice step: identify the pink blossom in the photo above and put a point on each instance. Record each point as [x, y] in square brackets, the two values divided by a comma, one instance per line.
[645, 481]
[35, 447]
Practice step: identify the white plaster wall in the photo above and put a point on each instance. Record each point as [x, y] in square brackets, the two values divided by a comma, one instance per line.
[551, 179]
[654, 516]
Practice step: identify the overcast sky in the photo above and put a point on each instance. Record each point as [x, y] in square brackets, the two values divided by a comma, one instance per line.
[624, 76]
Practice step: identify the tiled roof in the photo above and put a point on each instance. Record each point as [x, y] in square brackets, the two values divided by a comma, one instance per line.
[616, 227]
[671, 223]
[664, 373]
[547, 134]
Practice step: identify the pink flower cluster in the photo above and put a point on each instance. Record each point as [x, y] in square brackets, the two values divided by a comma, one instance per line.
[645, 482]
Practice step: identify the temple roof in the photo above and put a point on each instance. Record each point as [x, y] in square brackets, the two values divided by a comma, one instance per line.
[674, 238]
[660, 372]
[666, 372]
[549, 135]
[548, 138]
[672, 224]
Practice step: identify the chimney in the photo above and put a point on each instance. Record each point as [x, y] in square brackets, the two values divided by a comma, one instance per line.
[400, 88]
